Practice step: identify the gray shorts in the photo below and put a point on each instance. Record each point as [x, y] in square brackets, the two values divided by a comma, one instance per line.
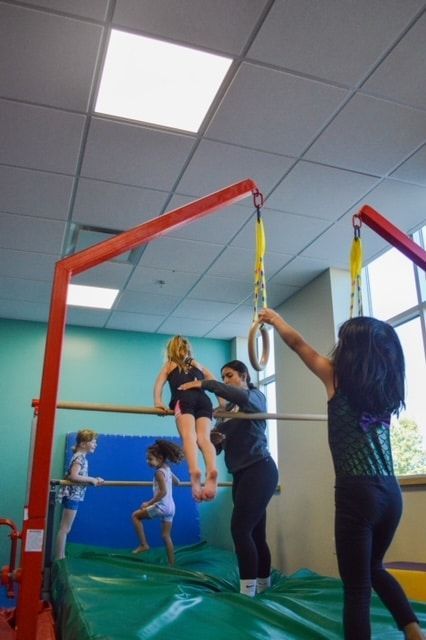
[156, 511]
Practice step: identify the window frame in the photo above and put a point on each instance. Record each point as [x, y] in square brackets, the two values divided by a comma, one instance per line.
[416, 311]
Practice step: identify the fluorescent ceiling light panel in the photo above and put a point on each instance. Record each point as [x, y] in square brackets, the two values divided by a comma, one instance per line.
[97, 297]
[157, 82]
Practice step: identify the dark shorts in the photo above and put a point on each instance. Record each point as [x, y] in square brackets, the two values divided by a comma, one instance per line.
[196, 404]
[67, 503]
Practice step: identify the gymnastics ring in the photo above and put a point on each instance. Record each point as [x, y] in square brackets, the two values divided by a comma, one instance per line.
[257, 364]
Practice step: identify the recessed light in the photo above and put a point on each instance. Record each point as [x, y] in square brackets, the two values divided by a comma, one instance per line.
[96, 297]
[158, 82]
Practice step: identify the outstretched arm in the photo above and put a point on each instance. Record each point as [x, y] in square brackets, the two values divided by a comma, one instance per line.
[317, 363]
[75, 477]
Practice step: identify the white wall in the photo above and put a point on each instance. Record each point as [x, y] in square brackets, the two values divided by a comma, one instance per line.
[300, 522]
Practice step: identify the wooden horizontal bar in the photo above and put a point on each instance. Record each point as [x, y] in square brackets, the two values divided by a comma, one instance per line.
[133, 483]
[219, 413]
[125, 483]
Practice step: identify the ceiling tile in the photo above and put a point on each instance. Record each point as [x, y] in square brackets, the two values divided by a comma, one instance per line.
[148, 303]
[359, 137]
[338, 41]
[24, 310]
[115, 206]
[96, 9]
[397, 78]
[220, 25]
[277, 293]
[191, 328]
[226, 330]
[402, 204]
[39, 138]
[39, 45]
[239, 263]
[30, 234]
[134, 321]
[161, 281]
[203, 309]
[218, 227]
[182, 255]
[292, 114]
[299, 272]
[111, 275]
[87, 317]
[335, 191]
[215, 165]
[413, 169]
[273, 111]
[221, 290]
[320, 249]
[34, 193]
[29, 290]
[23, 264]
[284, 232]
[243, 315]
[134, 155]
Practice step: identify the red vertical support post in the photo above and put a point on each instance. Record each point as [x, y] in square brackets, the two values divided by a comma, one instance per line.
[393, 235]
[33, 534]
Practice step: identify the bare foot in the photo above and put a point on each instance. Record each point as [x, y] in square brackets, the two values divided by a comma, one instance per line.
[210, 488]
[141, 548]
[197, 490]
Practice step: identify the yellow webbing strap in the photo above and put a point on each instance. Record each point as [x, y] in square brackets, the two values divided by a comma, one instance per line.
[259, 267]
[357, 256]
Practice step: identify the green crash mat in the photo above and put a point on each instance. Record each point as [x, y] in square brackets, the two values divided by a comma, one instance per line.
[102, 594]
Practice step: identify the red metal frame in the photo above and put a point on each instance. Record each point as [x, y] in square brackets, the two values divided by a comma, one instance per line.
[29, 603]
[393, 235]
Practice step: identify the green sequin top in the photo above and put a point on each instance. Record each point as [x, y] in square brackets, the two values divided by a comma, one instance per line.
[355, 451]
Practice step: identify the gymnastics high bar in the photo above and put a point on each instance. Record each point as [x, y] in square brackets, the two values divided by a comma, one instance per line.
[30, 603]
[218, 413]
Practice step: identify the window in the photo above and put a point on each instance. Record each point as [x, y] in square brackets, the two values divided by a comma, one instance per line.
[396, 293]
[266, 382]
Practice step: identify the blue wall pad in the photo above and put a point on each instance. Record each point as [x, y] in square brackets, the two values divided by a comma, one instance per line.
[104, 518]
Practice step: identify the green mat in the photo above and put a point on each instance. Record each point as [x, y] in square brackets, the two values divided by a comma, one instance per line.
[102, 594]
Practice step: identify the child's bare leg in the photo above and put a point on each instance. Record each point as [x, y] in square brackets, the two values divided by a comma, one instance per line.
[413, 632]
[203, 426]
[186, 427]
[137, 517]
[166, 528]
[67, 519]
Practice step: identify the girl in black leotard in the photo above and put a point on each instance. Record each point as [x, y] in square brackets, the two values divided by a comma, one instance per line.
[193, 413]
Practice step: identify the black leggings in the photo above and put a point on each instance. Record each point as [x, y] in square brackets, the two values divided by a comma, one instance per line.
[252, 489]
[368, 511]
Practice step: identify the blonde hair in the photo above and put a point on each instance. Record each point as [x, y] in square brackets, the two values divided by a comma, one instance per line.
[178, 350]
[84, 435]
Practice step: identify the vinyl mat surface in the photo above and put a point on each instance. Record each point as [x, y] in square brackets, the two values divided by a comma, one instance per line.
[112, 595]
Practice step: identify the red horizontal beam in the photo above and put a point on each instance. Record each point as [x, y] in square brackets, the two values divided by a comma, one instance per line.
[156, 227]
[29, 603]
[393, 235]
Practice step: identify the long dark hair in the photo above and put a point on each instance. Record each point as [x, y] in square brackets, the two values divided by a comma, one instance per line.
[369, 365]
[166, 450]
[240, 368]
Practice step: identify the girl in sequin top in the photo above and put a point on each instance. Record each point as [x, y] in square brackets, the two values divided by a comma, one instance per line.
[364, 381]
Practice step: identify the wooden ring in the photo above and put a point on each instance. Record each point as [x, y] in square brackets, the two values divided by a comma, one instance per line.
[257, 364]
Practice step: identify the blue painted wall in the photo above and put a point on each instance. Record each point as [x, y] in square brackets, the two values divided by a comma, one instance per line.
[98, 365]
